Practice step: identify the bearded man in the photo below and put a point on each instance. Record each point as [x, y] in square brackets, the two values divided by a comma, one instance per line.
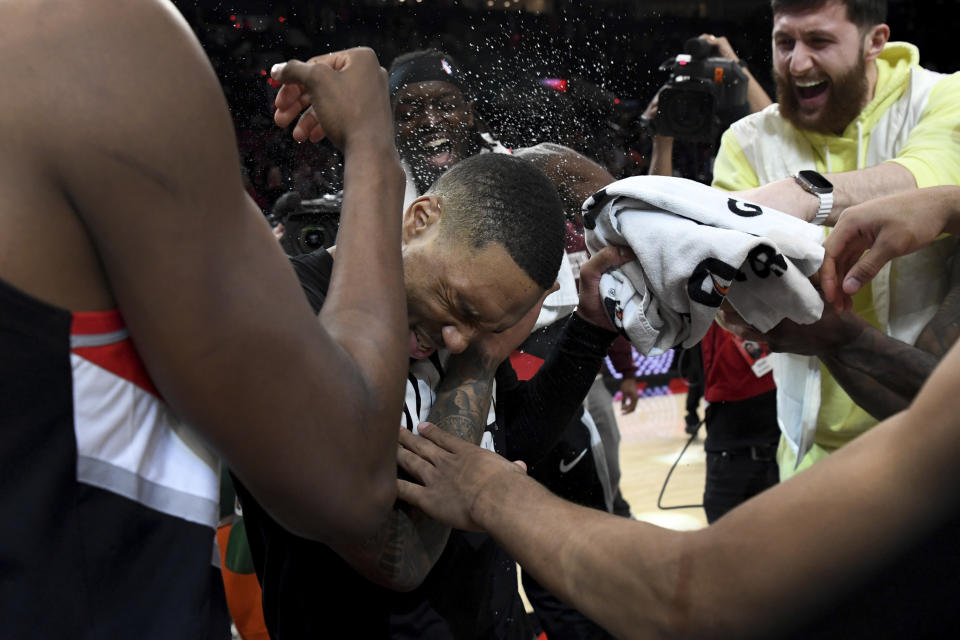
[862, 111]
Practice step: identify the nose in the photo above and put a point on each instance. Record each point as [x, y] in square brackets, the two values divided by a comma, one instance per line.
[432, 116]
[457, 337]
[800, 60]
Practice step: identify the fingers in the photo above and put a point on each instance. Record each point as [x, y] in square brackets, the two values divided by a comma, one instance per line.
[844, 247]
[828, 281]
[295, 75]
[413, 464]
[420, 446]
[411, 493]
[591, 306]
[730, 320]
[607, 258]
[866, 268]
[439, 437]
[416, 455]
[291, 100]
[308, 127]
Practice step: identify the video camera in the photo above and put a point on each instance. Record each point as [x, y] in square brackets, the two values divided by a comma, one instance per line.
[307, 224]
[704, 94]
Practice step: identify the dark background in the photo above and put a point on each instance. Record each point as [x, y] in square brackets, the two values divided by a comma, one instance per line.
[608, 51]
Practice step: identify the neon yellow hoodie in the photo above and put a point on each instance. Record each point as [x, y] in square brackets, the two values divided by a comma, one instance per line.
[914, 120]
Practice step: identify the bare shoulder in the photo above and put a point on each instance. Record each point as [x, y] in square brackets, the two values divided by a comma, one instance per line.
[574, 175]
[91, 79]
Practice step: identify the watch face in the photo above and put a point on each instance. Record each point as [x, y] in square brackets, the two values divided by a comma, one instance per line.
[818, 183]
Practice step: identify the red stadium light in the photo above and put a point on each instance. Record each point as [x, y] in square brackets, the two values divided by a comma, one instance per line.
[558, 84]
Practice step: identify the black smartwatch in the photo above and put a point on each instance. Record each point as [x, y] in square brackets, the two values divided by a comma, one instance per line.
[813, 182]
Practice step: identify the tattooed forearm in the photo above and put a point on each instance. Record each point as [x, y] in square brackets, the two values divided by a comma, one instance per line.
[895, 365]
[864, 389]
[461, 406]
[401, 554]
[883, 374]
[944, 329]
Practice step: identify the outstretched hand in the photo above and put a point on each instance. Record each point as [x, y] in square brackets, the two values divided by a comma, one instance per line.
[884, 228]
[341, 96]
[591, 299]
[452, 473]
[834, 328]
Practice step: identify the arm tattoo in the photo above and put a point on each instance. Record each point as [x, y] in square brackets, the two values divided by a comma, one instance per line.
[944, 328]
[401, 553]
[882, 374]
[463, 398]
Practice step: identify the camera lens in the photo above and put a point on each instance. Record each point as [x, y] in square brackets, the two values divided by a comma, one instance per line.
[314, 237]
[686, 112]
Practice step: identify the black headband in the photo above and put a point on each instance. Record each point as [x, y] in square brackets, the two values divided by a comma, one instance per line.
[426, 69]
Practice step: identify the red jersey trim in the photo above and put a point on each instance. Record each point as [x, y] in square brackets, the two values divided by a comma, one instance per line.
[119, 355]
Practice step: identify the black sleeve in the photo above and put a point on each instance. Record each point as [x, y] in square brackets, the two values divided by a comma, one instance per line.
[314, 271]
[535, 413]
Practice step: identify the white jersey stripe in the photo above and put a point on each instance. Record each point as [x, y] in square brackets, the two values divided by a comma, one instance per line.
[129, 442]
[78, 340]
[156, 496]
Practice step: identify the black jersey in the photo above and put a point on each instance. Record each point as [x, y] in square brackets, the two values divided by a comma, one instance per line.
[109, 501]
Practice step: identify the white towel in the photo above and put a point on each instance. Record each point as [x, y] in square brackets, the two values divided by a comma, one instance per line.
[561, 302]
[697, 245]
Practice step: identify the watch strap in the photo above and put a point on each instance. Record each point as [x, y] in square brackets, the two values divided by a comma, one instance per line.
[826, 206]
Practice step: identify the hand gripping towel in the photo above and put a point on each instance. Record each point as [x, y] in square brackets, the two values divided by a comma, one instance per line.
[695, 247]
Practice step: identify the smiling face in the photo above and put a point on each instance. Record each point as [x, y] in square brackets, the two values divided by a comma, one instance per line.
[456, 293]
[822, 64]
[433, 126]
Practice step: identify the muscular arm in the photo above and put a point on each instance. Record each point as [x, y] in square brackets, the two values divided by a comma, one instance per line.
[727, 580]
[853, 187]
[404, 550]
[883, 374]
[880, 373]
[850, 188]
[209, 299]
[536, 411]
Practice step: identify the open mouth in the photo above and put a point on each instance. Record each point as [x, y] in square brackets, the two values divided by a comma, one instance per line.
[439, 152]
[810, 91]
[421, 346]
